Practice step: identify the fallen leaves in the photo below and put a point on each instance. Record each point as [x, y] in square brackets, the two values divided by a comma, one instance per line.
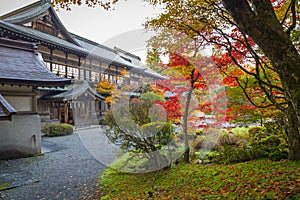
[256, 179]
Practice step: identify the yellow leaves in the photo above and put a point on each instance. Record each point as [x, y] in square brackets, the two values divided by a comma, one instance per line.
[123, 72]
[109, 99]
[108, 89]
[283, 10]
[105, 86]
[184, 70]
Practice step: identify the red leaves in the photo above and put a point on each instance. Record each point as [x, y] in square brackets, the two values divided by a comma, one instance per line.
[177, 60]
[223, 60]
[230, 81]
[172, 107]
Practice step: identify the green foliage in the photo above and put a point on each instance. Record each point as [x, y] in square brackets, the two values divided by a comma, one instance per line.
[4, 186]
[232, 155]
[238, 146]
[53, 130]
[153, 60]
[272, 147]
[151, 96]
[163, 132]
[261, 179]
[277, 127]
[256, 134]
[135, 131]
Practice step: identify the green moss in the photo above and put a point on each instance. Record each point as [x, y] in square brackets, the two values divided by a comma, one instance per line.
[210, 181]
[4, 186]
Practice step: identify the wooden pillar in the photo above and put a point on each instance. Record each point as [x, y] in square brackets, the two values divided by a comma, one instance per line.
[84, 70]
[87, 112]
[51, 55]
[79, 63]
[66, 65]
[66, 113]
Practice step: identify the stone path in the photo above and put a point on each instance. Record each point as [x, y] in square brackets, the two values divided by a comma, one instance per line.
[67, 170]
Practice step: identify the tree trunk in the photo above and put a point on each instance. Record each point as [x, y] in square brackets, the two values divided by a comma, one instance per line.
[293, 135]
[261, 24]
[186, 155]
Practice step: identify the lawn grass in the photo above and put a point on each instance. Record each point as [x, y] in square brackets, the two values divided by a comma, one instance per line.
[261, 179]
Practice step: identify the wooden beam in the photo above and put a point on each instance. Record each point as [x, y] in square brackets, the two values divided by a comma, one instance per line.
[11, 93]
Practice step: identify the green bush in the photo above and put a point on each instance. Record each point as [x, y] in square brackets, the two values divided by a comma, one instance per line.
[232, 155]
[256, 134]
[261, 142]
[151, 96]
[53, 130]
[272, 147]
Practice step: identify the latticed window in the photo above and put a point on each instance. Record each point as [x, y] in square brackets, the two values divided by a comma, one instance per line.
[45, 27]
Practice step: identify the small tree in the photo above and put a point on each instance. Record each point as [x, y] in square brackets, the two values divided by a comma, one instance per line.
[141, 128]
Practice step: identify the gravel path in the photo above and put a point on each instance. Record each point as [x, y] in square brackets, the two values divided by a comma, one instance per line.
[71, 172]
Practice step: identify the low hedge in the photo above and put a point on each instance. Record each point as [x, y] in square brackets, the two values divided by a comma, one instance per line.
[53, 130]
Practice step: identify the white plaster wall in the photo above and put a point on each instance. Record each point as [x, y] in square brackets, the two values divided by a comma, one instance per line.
[20, 103]
[23, 134]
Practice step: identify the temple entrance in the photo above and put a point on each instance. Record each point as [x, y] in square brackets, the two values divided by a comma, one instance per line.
[79, 106]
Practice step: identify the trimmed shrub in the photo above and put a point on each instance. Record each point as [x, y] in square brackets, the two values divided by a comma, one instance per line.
[232, 155]
[53, 130]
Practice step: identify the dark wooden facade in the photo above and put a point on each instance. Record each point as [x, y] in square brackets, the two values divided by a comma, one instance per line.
[70, 56]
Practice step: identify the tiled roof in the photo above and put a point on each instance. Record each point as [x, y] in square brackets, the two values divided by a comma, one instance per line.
[78, 89]
[40, 36]
[5, 108]
[106, 53]
[13, 22]
[33, 11]
[137, 62]
[26, 15]
[21, 64]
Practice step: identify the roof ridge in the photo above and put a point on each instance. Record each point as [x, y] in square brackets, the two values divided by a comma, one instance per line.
[91, 42]
[22, 9]
[30, 12]
[127, 53]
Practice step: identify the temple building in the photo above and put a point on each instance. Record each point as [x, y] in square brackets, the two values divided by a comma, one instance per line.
[22, 71]
[67, 55]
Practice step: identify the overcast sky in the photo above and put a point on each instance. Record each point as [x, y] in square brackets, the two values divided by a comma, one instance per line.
[120, 27]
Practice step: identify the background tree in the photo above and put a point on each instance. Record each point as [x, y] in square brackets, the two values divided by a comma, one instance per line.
[153, 60]
[185, 79]
[251, 37]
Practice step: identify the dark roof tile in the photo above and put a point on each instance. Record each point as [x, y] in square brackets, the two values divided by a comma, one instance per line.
[5, 108]
[21, 64]
[79, 88]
